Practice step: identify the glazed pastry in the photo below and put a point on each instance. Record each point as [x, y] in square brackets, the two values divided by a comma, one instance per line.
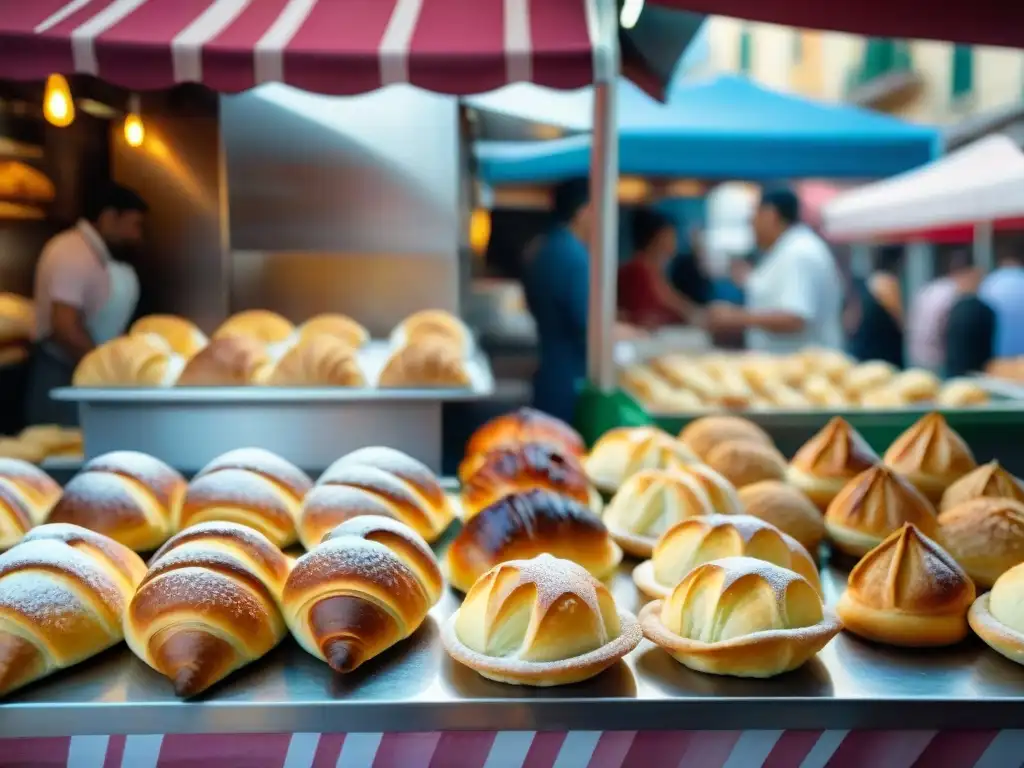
[868, 376]
[704, 434]
[916, 385]
[524, 525]
[745, 463]
[961, 393]
[26, 496]
[261, 325]
[651, 502]
[525, 425]
[227, 361]
[997, 617]
[622, 452]
[129, 496]
[986, 536]
[208, 606]
[540, 622]
[987, 481]
[182, 335]
[62, 592]
[376, 481]
[930, 455]
[429, 363]
[742, 617]
[829, 460]
[127, 361]
[787, 508]
[430, 324]
[317, 361]
[720, 492]
[700, 540]
[907, 591]
[340, 327]
[367, 586]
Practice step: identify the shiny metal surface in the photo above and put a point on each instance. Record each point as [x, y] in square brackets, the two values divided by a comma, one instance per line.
[224, 397]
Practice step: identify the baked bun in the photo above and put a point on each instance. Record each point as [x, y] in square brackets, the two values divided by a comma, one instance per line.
[916, 385]
[867, 376]
[524, 525]
[376, 481]
[429, 363]
[830, 459]
[720, 492]
[833, 364]
[907, 591]
[540, 622]
[317, 361]
[260, 325]
[340, 327]
[127, 361]
[744, 463]
[15, 448]
[989, 481]
[53, 439]
[182, 335]
[227, 361]
[367, 586]
[208, 605]
[704, 434]
[787, 508]
[742, 617]
[249, 486]
[63, 590]
[824, 393]
[998, 616]
[622, 452]
[650, 503]
[433, 324]
[883, 398]
[961, 393]
[872, 506]
[931, 455]
[129, 496]
[986, 536]
[525, 425]
[26, 496]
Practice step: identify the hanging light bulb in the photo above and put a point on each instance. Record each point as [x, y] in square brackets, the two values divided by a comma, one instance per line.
[134, 130]
[479, 231]
[630, 13]
[58, 106]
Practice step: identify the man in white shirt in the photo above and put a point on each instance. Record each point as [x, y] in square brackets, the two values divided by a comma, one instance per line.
[794, 296]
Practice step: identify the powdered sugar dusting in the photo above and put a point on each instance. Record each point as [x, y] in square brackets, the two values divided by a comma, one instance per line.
[16, 469]
[146, 469]
[333, 558]
[554, 577]
[234, 486]
[262, 462]
[364, 526]
[735, 568]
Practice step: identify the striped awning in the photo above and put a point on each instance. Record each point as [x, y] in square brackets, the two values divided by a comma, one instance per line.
[327, 46]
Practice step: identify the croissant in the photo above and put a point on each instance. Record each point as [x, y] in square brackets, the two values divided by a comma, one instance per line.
[366, 587]
[227, 361]
[182, 336]
[260, 325]
[208, 605]
[63, 590]
[318, 361]
[26, 496]
[127, 361]
[433, 323]
[525, 425]
[340, 327]
[428, 363]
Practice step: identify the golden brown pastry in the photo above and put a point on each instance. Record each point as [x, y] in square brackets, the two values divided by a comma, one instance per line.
[700, 540]
[26, 496]
[883, 398]
[651, 502]
[14, 448]
[127, 361]
[182, 335]
[830, 459]
[916, 385]
[376, 481]
[986, 536]
[830, 363]
[704, 434]
[340, 327]
[429, 363]
[868, 376]
[682, 372]
[744, 463]
[622, 452]
[208, 606]
[540, 622]
[787, 508]
[907, 591]
[525, 425]
[129, 496]
[249, 486]
[227, 361]
[317, 361]
[62, 592]
[433, 323]
[260, 325]
[823, 392]
[961, 393]
[53, 439]
[365, 587]
[997, 617]
[742, 617]
[524, 525]
[17, 320]
[990, 481]
[931, 455]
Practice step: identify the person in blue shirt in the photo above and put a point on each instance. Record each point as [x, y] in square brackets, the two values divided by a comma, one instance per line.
[1003, 291]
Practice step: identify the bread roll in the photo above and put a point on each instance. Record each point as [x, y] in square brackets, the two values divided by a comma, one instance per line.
[704, 434]
[720, 492]
[997, 617]
[830, 459]
[987, 481]
[682, 373]
[249, 486]
[26, 496]
[986, 536]
[367, 586]
[376, 481]
[129, 496]
[261, 325]
[524, 525]
[907, 591]
[428, 363]
[539, 622]
[622, 452]
[340, 327]
[651, 502]
[62, 592]
[931, 455]
[883, 398]
[744, 463]
[833, 364]
[431, 324]
[14, 448]
[127, 361]
[227, 361]
[787, 508]
[742, 617]
[317, 361]
[916, 385]
[182, 335]
[53, 439]
[525, 425]
[868, 376]
[824, 393]
[961, 393]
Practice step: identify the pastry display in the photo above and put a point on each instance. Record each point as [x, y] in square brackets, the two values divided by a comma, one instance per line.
[542, 622]
[997, 617]
[704, 434]
[17, 320]
[883, 399]
[63, 590]
[524, 525]
[525, 425]
[830, 459]
[427, 363]
[744, 463]
[317, 361]
[227, 361]
[931, 455]
[823, 392]
[787, 508]
[26, 496]
[907, 591]
[260, 325]
[986, 536]
[127, 361]
[987, 481]
[867, 376]
[367, 586]
[376, 481]
[741, 617]
[129, 496]
[621, 453]
[340, 327]
[873, 505]
[433, 324]
[720, 492]
[962, 393]
[208, 606]
[181, 335]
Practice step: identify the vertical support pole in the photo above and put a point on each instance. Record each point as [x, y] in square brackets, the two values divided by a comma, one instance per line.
[984, 247]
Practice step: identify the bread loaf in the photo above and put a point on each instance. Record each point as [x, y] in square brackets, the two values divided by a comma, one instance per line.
[430, 363]
[260, 325]
[317, 361]
[931, 455]
[227, 361]
[340, 327]
[182, 335]
[127, 361]
[525, 425]
[829, 460]
[26, 496]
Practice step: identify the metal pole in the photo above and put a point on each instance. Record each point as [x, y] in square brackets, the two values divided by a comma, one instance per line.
[984, 248]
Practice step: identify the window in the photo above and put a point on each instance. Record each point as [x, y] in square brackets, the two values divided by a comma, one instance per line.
[746, 51]
[962, 80]
[884, 56]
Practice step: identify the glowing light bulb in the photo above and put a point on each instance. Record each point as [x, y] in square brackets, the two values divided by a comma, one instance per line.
[479, 231]
[58, 106]
[134, 130]
[630, 13]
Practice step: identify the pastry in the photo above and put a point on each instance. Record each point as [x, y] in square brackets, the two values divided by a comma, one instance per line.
[13, 448]
[127, 361]
[830, 363]
[986, 536]
[540, 622]
[868, 376]
[622, 452]
[787, 508]
[742, 617]
[744, 463]
[961, 393]
[783, 396]
[260, 325]
[883, 398]
[907, 591]
[524, 525]
[700, 540]
[17, 320]
[823, 392]
[208, 606]
[62, 592]
[53, 439]
[704, 434]
[720, 492]
[376, 481]
[340, 327]
[989, 481]
[250, 486]
[428, 363]
[227, 361]
[433, 323]
[916, 385]
[997, 617]
[365, 587]
[129, 496]
[651, 502]
[182, 335]
[682, 373]
[525, 425]
[931, 455]
[26, 496]
[317, 361]
[830, 459]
